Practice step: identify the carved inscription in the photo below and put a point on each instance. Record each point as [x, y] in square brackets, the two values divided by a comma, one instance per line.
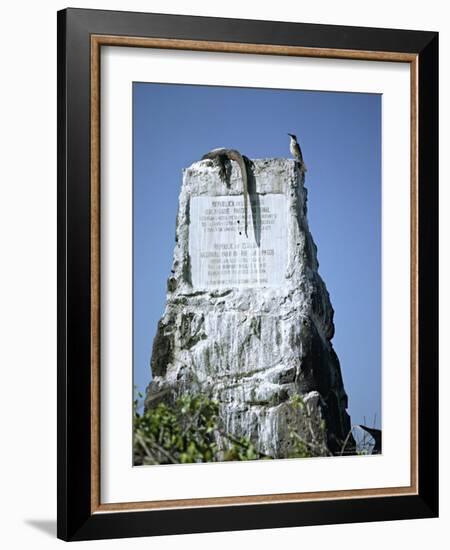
[222, 255]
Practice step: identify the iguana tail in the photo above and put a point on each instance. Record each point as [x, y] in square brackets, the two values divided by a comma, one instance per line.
[236, 156]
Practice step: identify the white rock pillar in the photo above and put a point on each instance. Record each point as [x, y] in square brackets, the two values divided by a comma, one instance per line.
[248, 319]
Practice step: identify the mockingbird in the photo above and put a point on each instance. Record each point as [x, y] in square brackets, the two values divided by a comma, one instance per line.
[296, 151]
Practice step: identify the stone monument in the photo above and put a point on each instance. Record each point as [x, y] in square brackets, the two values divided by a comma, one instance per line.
[248, 319]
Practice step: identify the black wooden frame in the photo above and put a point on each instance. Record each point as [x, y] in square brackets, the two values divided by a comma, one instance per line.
[75, 521]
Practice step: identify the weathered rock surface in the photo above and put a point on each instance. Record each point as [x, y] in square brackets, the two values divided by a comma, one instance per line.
[237, 332]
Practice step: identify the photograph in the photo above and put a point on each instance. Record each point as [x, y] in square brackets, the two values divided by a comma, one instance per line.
[256, 273]
[247, 272]
[224, 284]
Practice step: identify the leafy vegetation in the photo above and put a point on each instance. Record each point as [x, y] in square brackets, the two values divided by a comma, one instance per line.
[191, 431]
[187, 432]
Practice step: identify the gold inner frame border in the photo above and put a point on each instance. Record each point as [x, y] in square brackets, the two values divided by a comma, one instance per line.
[97, 41]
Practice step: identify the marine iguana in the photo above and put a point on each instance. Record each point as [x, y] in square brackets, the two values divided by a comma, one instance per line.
[222, 155]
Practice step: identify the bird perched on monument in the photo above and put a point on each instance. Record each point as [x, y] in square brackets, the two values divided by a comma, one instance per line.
[296, 151]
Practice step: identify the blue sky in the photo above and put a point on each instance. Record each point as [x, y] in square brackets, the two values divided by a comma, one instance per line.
[340, 135]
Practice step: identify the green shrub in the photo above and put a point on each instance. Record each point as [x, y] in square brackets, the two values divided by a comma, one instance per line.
[184, 433]
[191, 431]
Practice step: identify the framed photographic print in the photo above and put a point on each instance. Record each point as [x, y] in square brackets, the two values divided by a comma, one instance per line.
[247, 255]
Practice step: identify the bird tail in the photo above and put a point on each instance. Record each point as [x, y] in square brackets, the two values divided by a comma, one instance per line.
[302, 166]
